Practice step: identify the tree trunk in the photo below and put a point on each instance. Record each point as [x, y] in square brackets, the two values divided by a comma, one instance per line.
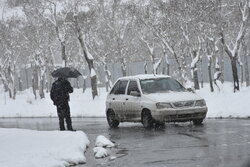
[108, 82]
[84, 84]
[11, 83]
[41, 87]
[156, 65]
[241, 74]
[33, 86]
[145, 66]
[201, 72]
[235, 74]
[35, 81]
[89, 59]
[222, 65]
[27, 78]
[94, 86]
[195, 72]
[246, 70]
[210, 75]
[166, 66]
[165, 69]
[123, 67]
[195, 78]
[182, 70]
[20, 83]
[245, 62]
[64, 57]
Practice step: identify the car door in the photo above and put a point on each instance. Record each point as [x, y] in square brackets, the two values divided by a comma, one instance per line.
[117, 98]
[132, 104]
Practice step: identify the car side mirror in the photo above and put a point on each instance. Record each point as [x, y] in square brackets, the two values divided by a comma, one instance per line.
[191, 90]
[135, 93]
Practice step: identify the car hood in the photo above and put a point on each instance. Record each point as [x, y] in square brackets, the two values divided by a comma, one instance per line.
[172, 96]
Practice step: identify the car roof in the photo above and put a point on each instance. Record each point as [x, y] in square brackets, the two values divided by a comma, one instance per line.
[144, 76]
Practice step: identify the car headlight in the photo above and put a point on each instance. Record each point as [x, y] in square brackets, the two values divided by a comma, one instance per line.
[163, 105]
[200, 103]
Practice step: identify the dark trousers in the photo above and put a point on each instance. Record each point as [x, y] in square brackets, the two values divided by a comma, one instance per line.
[63, 112]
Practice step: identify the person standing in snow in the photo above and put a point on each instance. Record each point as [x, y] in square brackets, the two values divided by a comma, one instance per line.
[59, 94]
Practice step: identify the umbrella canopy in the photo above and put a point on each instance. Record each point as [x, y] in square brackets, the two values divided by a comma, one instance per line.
[66, 72]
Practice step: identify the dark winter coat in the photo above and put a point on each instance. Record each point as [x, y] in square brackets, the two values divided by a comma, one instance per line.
[60, 90]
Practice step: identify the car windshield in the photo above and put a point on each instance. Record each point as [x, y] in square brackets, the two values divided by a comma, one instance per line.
[160, 85]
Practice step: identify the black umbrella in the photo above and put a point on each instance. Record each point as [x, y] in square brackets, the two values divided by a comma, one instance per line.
[66, 72]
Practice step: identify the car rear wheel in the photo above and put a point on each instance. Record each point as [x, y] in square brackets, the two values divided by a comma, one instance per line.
[197, 121]
[113, 123]
[147, 119]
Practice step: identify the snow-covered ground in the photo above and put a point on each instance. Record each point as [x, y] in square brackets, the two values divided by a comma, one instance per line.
[81, 104]
[41, 148]
[226, 103]
[220, 104]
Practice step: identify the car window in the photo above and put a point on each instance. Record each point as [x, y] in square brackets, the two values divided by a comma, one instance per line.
[119, 88]
[115, 88]
[160, 85]
[132, 87]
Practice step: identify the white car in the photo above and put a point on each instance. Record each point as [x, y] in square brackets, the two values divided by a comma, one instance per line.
[153, 99]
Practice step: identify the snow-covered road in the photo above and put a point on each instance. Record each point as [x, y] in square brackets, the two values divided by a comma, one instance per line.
[219, 142]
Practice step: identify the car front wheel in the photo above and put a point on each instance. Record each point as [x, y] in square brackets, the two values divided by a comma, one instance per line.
[113, 123]
[197, 121]
[147, 119]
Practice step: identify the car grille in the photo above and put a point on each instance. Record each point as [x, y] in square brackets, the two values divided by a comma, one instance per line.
[185, 116]
[183, 104]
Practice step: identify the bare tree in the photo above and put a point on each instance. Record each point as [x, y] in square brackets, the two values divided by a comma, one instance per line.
[58, 22]
[88, 57]
[233, 51]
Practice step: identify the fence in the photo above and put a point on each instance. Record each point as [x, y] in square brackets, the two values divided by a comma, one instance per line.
[134, 68]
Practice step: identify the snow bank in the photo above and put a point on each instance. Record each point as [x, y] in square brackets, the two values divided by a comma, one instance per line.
[22, 148]
[226, 103]
[81, 105]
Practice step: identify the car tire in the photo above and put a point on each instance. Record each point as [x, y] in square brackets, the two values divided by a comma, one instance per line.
[147, 119]
[113, 123]
[160, 125]
[197, 121]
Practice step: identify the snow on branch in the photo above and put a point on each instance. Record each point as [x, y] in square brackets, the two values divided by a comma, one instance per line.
[90, 57]
[194, 61]
[185, 34]
[150, 48]
[157, 64]
[92, 73]
[160, 36]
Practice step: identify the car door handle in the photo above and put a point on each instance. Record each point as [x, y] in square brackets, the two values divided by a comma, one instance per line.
[126, 98]
[113, 99]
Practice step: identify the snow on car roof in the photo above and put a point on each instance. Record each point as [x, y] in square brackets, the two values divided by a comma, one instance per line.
[145, 76]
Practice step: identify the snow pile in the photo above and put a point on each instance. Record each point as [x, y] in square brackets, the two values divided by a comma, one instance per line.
[225, 103]
[22, 148]
[100, 152]
[101, 143]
